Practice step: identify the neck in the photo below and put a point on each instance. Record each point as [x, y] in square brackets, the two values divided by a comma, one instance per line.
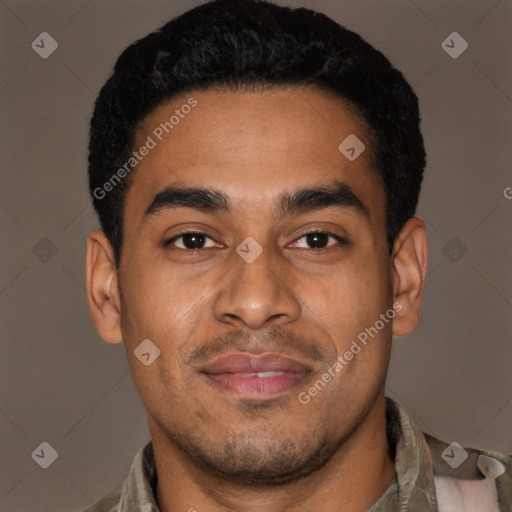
[352, 480]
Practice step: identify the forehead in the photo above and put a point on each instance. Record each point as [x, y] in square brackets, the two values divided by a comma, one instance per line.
[252, 146]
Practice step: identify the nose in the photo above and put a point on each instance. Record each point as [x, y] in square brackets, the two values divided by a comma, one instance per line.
[257, 294]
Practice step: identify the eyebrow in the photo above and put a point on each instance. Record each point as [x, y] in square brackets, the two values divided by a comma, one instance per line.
[302, 200]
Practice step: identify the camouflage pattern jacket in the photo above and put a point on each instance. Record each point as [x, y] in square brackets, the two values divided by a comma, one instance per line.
[431, 476]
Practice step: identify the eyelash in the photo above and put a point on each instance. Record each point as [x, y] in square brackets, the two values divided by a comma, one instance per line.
[342, 241]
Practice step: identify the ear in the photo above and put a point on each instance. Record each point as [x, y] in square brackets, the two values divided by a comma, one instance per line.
[410, 263]
[102, 287]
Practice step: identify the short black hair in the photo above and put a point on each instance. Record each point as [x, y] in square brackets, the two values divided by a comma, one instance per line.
[255, 44]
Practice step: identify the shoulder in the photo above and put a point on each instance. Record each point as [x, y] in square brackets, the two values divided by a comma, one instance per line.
[470, 479]
[109, 502]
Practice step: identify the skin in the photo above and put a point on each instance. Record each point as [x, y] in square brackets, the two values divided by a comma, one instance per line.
[213, 450]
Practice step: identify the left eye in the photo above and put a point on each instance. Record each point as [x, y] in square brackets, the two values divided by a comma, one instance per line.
[319, 240]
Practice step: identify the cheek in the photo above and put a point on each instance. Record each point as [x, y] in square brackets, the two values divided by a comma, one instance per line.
[349, 298]
[169, 311]
[153, 310]
[157, 303]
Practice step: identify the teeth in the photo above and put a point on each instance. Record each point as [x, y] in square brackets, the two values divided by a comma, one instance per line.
[261, 374]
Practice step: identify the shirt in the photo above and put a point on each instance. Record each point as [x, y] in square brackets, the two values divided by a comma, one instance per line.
[430, 476]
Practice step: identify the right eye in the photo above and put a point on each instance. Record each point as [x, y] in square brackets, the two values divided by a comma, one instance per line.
[189, 241]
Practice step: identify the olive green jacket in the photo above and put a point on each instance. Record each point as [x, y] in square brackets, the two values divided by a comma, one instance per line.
[431, 476]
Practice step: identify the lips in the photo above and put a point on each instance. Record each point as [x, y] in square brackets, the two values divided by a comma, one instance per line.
[255, 376]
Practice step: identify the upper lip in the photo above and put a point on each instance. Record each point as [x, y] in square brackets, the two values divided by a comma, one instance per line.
[248, 363]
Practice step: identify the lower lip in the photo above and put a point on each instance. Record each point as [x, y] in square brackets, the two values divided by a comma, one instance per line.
[255, 386]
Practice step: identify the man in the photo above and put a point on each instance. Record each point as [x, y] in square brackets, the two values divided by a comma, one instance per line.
[256, 171]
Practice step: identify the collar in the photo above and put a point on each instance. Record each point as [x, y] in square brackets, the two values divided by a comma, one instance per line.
[413, 488]
[139, 489]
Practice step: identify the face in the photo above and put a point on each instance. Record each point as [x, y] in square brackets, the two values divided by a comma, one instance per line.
[254, 257]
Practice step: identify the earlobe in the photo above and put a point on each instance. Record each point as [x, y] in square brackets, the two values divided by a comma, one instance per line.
[410, 263]
[102, 287]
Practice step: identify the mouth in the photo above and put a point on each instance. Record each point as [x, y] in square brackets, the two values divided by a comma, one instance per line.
[250, 376]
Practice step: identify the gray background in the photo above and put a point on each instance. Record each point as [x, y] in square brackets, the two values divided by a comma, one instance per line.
[60, 383]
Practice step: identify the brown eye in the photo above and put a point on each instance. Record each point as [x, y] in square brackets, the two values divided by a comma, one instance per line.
[319, 240]
[189, 241]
